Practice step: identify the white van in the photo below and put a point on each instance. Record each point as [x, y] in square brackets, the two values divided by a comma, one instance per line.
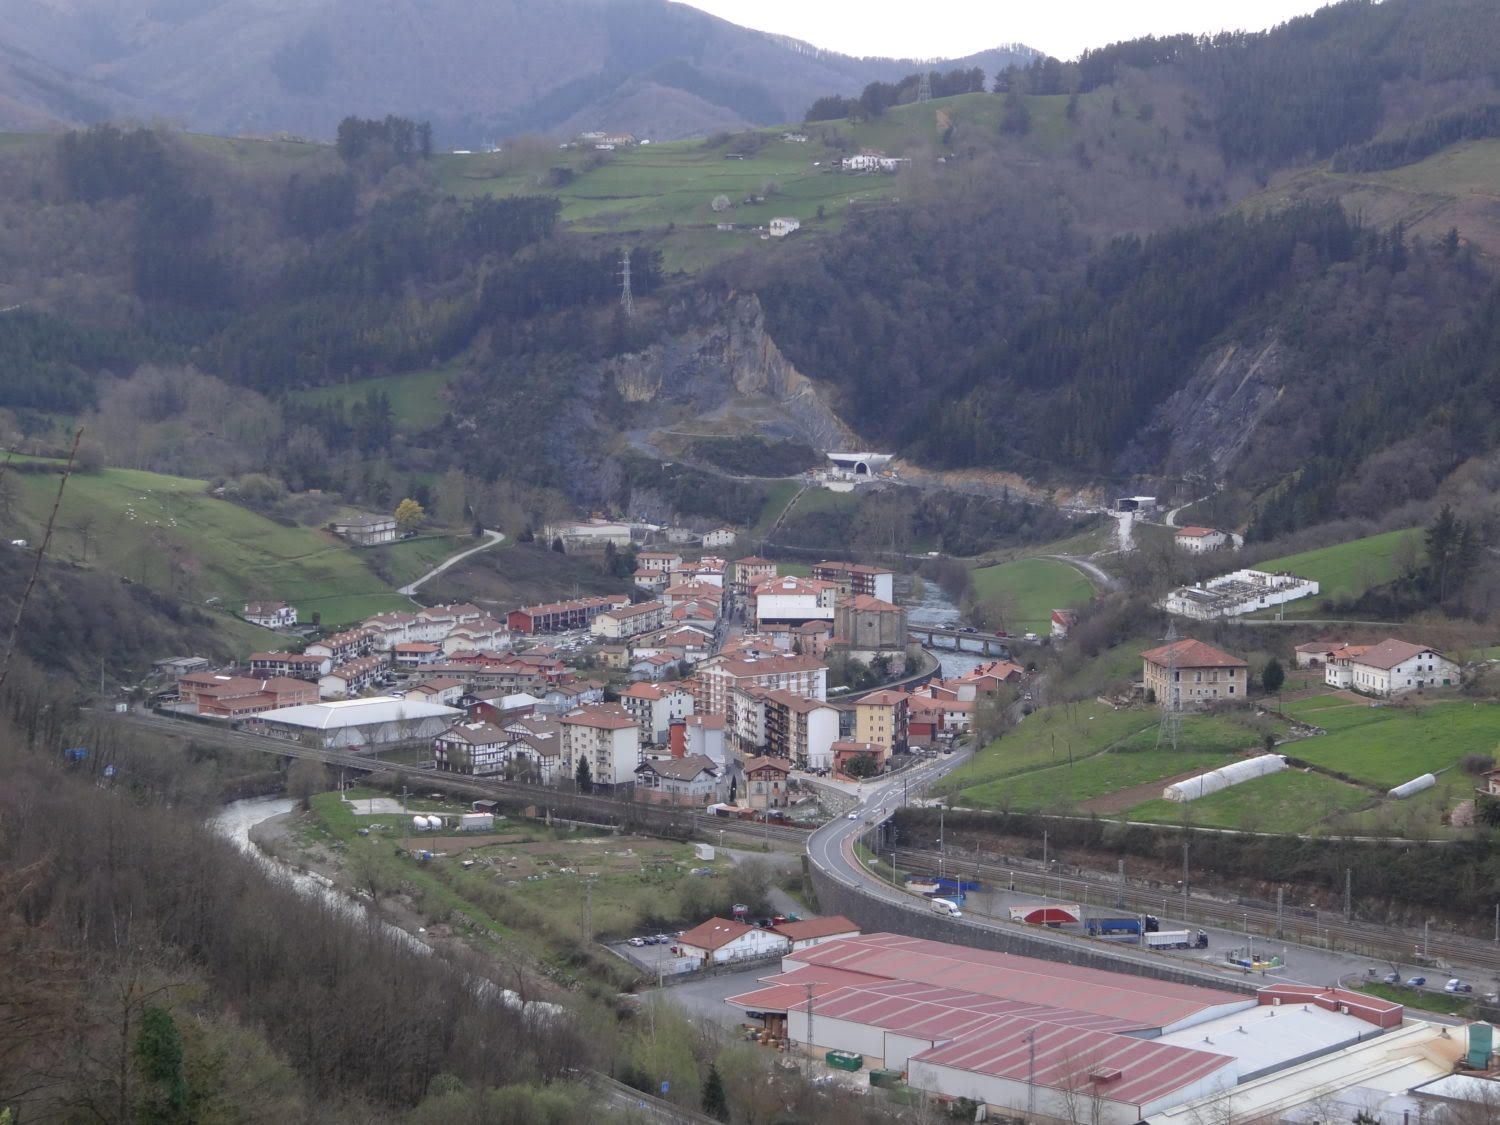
[943, 906]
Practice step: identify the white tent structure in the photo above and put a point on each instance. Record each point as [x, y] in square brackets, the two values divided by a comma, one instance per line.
[353, 723]
[1223, 778]
[1415, 785]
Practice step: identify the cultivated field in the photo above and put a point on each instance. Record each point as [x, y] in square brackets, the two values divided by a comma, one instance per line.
[417, 400]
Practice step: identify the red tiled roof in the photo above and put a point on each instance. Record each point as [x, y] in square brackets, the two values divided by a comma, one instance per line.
[601, 717]
[715, 933]
[869, 603]
[763, 763]
[882, 699]
[810, 928]
[1195, 532]
[1390, 652]
[1192, 654]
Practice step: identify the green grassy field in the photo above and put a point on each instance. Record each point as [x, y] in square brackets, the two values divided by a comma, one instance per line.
[778, 494]
[1386, 746]
[400, 563]
[170, 534]
[1062, 787]
[1346, 570]
[1290, 801]
[1032, 589]
[417, 399]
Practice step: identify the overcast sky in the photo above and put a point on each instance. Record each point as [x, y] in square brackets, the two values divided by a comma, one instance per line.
[952, 28]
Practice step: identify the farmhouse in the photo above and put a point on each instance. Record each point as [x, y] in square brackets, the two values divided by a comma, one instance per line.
[1200, 540]
[1390, 668]
[720, 537]
[367, 531]
[781, 227]
[1316, 654]
[270, 615]
[766, 785]
[1189, 673]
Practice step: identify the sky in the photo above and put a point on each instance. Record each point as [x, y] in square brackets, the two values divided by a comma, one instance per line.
[953, 28]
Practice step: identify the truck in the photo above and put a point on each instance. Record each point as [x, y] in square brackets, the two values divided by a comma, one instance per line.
[1115, 929]
[1177, 939]
[959, 886]
[476, 822]
[946, 908]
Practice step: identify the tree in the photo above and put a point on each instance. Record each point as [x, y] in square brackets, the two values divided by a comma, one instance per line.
[715, 1104]
[557, 545]
[305, 779]
[158, 1053]
[583, 775]
[1272, 676]
[861, 766]
[409, 515]
[1015, 118]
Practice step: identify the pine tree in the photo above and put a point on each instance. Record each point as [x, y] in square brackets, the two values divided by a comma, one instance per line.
[1272, 676]
[715, 1104]
[584, 776]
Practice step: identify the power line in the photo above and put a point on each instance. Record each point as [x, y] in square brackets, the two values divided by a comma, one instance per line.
[924, 87]
[1171, 707]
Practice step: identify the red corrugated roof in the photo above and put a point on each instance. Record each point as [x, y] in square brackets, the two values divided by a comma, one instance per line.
[1192, 654]
[817, 927]
[1068, 1057]
[1145, 1002]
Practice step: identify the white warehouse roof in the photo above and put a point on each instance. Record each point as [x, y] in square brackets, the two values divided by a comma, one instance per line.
[357, 713]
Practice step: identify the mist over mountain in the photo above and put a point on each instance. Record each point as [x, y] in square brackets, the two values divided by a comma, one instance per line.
[477, 71]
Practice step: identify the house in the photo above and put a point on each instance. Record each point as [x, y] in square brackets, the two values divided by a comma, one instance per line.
[342, 647]
[1063, 621]
[1491, 783]
[793, 601]
[270, 615]
[659, 562]
[748, 573]
[924, 720]
[651, 581]
[235, 697]
[766, 783]
[870, 627]
[477, 748]
[815, 931]
[872, 161]
[297, 665]
[718, 676]
[880, 719]
[812, 638]
[443, 689]
[1316, 654]
[535, 750]
[656, 707]
[657, 666]
[414, 654]
[1390, 668]
[615, 656]
[351, 677]
[693, 780]
[683, 593]
[558, 699]
[721, 940]
[1200, 540]
[1189, 673]
[855, 578]
[846, 750]
[704, 734]
[366, 531]
[629, 621]
[799, 730]
[605, 737]
[562, 617]
[795, 138]
[720, 537]
[986, 678]
[781, 227]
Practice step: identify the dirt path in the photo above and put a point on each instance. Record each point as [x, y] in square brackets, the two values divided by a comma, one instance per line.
[1122, 799]
[490, 539]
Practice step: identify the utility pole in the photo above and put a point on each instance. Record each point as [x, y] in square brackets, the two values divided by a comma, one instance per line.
[1426, 923]
[1348, 894]
[1280, 894]
[1030, 1038]
[809, 1044]
[627, 297]
[924, 88]
[1185, 843]
[1120, 897]
[1171, 707]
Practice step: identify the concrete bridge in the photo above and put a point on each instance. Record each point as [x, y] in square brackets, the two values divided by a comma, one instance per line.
[959, 640]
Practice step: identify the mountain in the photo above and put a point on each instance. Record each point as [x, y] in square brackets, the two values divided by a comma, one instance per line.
[476, 70]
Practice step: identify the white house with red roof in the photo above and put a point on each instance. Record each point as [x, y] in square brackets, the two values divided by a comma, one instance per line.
[794, 600]
[1390, 668]
[270, 615]
[721, 940]
[607, 738]
[1201, 540]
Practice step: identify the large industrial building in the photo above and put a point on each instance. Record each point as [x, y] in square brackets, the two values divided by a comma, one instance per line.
[354, 723]
[1044, 1039]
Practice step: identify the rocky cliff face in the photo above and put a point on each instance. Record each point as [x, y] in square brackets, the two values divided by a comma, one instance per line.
[1207, 426]
[719, 362]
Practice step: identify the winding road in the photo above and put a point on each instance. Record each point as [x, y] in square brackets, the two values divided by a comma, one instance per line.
[491, 538]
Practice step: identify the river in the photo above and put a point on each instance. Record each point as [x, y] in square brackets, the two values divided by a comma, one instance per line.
[935, 608]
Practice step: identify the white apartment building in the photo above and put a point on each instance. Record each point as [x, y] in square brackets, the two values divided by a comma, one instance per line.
[716, 678]
[631, 621]
[608, 738]
[655, 707]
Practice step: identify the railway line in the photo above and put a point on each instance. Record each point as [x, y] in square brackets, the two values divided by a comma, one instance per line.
[1317, 930]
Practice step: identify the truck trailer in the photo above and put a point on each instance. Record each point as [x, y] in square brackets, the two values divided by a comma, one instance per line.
[1177, 939]
[1115, 929]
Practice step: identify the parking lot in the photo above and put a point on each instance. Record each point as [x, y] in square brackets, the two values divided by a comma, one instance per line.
[656, 959]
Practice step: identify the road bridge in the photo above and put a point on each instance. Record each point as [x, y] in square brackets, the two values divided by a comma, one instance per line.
[960, 640]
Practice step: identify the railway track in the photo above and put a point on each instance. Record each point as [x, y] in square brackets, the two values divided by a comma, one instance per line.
[633, 813]
[1293, 925]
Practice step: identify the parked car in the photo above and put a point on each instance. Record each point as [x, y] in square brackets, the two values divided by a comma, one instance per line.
[663, 939]
[852, 816]
[1416, 982]
[1392, 978]
[1456, 985]
[637, 942]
